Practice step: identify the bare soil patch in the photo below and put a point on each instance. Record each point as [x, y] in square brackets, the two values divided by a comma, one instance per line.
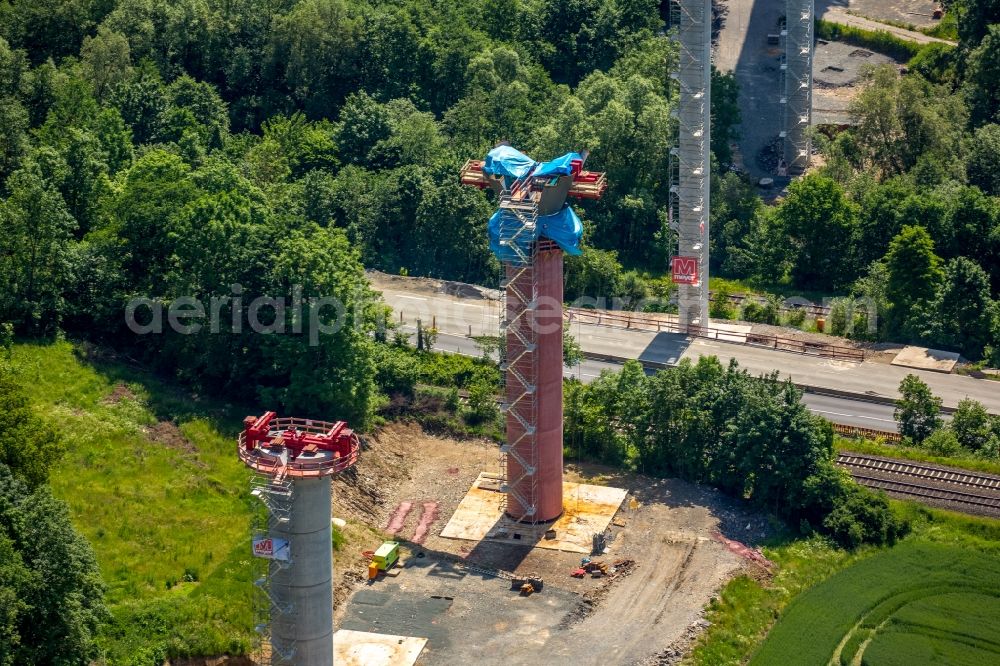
[167, 434]
[454, 593]
[118, 393]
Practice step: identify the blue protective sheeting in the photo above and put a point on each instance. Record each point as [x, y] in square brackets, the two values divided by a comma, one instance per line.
[561, 166]
[564, 228]
[507, 162]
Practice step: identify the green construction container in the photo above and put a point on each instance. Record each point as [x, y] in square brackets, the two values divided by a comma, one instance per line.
[386, 555]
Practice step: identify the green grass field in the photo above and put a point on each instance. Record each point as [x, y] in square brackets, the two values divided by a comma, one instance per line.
[938, 592]
[918, 603]
[165, 504]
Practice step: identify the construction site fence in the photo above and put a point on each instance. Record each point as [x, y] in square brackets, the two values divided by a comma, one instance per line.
[637, 321]
[857, 432]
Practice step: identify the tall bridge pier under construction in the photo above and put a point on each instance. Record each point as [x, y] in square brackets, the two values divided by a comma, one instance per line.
[531, 229]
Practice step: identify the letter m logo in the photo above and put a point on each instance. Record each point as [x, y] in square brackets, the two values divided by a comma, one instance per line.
[684, 270]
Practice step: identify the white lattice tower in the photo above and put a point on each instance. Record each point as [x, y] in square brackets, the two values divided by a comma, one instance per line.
[799, 15]
[690, 158]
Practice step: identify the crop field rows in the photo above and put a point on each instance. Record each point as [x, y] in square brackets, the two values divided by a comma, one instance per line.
[917, 604]
[960, 490]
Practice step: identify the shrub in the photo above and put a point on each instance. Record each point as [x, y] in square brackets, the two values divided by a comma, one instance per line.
[767, 313]
[862, 516]
[482, 402]
[720, 307]
[881, 41]
[838, 317]
[451, 403]
[972, 424]
[943, 442]
[849, 513]
[795, 317]
[396, 370]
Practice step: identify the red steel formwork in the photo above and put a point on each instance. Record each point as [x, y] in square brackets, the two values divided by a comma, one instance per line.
[296, 448]
[542, 370]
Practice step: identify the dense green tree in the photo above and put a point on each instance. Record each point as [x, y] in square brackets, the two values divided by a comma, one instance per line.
[49, 572]
[143, 104]
[501, 103]
[884, 208]
[173, 35]
[983, 78]
[34, 266]
[973, 425]
[961, 315]
[29, 446]
[14, 116]
[329, 367]
[820, 221]
[969, 227]
[913, 272]
[975, 18]
[901, 121]
[209, 112]
[917, 410]
[984, 159]
[762, 251]
[46, 28]
[593, 274]
[936, 63]
[749, 436]
[158, 186]
[631, 122]
[106, 61]
[580, 36]
[450, 230]
[314, 51]
[725, 114]
[363, 123]
[734, 204]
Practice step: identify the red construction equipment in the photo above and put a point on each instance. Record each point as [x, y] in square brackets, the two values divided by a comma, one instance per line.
[297, 447]
[585, 185]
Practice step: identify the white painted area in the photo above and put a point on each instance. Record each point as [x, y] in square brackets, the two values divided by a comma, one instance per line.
[926, 359]
[362, 648]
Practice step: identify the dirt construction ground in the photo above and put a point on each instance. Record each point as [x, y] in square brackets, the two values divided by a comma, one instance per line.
[671, 557]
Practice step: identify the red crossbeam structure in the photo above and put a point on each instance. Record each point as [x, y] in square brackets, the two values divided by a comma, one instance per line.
[586, 184]
[259, 431]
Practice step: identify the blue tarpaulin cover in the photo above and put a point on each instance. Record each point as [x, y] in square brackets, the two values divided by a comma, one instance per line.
[563, 227]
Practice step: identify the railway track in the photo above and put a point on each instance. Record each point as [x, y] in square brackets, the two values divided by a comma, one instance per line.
[924, 492]
[902, 468]
[978, 492]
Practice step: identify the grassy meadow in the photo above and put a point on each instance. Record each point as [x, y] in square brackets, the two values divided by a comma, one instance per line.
[153, 482]
[937, 593]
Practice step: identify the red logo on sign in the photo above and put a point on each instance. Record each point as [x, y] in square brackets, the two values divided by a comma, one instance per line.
[684, 270]
[263, 548]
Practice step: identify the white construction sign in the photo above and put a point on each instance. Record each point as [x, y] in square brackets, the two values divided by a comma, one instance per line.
[271, 549]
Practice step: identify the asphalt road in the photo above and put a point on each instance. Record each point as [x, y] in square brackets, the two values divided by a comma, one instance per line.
[742, 48]
[838, 410]
[456, 316]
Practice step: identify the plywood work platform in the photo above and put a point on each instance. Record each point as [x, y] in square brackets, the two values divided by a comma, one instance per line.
[926, 359]
[586, 509]
[361, 648]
